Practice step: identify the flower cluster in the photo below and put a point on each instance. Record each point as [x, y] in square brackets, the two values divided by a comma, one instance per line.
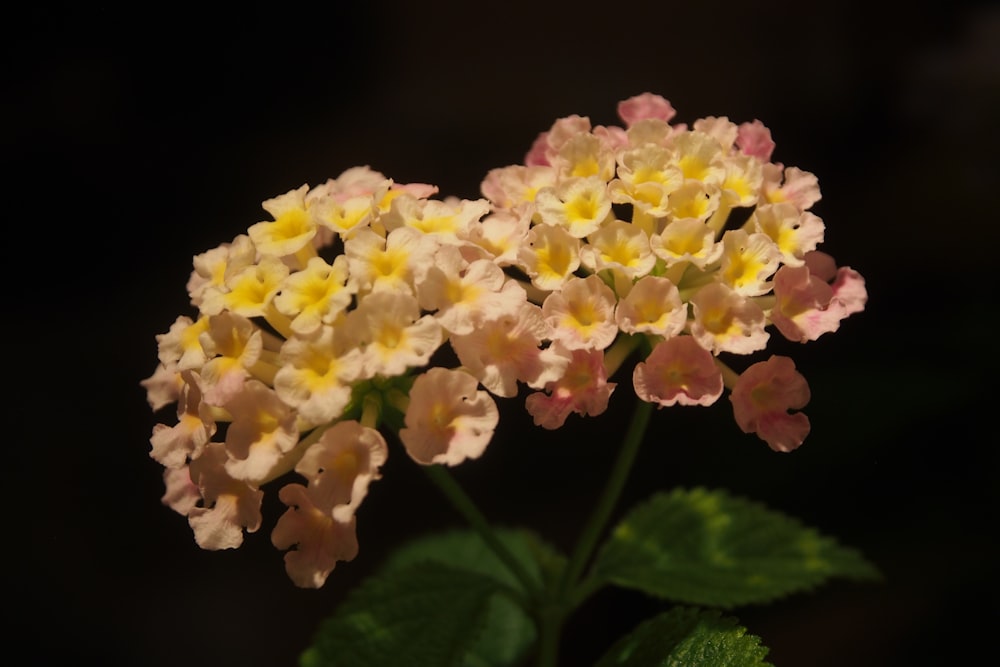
[322, 326]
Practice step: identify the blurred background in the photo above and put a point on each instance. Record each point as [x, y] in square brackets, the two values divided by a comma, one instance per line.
[135, 141]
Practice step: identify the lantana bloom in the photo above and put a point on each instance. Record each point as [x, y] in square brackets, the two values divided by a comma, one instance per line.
[341, 317]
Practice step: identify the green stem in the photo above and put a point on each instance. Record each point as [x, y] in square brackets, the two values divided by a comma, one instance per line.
[566, 599]
[612, 490]
[461, 501]
[550, 620]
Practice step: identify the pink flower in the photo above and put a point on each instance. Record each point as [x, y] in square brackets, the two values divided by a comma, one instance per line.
[848, 285]
[232, 345]
[582, 314]
[230, 505]
[679, 370]
[448, 420]
[163, 387]
[644, 106]
[726, 321]
[794, 232]
[791, 184]
[262, 432]
[755, 139]
[466, 295]
[320, 539]
[583, 389]
[720, 127]
[762, 397]
[180, 494]
[393, 333]
[653, 305]
[172, 446]
[806, 307]
[536, 157]
[509, 349]
[547, 144]
[341, 465]
[507, 187]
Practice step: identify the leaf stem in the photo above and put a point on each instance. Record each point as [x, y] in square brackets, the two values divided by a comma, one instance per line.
[464, 505]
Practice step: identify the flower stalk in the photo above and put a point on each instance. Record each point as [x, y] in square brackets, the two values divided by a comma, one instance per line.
[609, 497]
[444, 481]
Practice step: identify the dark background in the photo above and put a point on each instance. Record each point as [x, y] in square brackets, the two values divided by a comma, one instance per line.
[133, 142]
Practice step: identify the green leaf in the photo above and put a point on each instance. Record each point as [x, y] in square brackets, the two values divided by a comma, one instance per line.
[508, 631]
[467, 617]
[709, 548]
[427, 614]
[684, 637]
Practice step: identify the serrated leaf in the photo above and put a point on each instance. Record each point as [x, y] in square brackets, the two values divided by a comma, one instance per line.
[428, 614]
[506, 636]
[709, 548]
[685, 637]
[503, 632]
[508, 631]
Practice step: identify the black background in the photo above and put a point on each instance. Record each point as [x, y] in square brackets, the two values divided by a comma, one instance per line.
[133, 142]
